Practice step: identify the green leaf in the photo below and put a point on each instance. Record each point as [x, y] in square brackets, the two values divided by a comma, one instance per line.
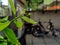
[4, 25]
[4, 19]
[12, 6]
[3, 43]
[47, 2]
[1, 37]
[18, 23]
[29, 20]
[10, 35]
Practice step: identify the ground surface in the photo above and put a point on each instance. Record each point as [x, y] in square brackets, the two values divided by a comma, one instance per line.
[31, 40]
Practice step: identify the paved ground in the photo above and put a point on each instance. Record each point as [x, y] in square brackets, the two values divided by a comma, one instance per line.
[31, 40]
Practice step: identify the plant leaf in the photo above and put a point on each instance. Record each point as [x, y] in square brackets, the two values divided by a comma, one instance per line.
[4, 19]
[18, 23]
[23, 11]
[4, 25]
[10, 35]
[29, 20]
[1, 37]
[12, 6]
[3, 43]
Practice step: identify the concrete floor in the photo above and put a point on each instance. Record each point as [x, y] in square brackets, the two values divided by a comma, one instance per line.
[31, 40]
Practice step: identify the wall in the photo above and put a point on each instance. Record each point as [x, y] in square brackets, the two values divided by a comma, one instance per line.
[55, 17]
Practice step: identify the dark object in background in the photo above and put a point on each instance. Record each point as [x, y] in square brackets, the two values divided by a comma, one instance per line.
[28, 28]
[50, 24]
[46, 32]
[40, 24]
[22, 39]
[37, 32]
[54, 32]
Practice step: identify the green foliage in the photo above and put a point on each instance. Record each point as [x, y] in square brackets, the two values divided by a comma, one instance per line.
[4, 25]
[18, 23]
[4, 19]
[2, 41]
[10, 35]
[12, 6]
[1, 37]
[29, 20]
[34, 4]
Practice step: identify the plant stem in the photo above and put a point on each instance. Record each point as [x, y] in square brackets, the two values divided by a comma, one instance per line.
[16, 18]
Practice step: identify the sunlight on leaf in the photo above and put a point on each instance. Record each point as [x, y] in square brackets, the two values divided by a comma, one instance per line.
[10, 35]
[6, 18]
[4, 25]
[29, 20]
[1, 37]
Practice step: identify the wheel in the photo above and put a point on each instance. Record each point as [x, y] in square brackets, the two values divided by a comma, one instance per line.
[36, 33]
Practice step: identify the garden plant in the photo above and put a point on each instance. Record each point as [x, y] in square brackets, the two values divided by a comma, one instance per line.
[9, 33]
